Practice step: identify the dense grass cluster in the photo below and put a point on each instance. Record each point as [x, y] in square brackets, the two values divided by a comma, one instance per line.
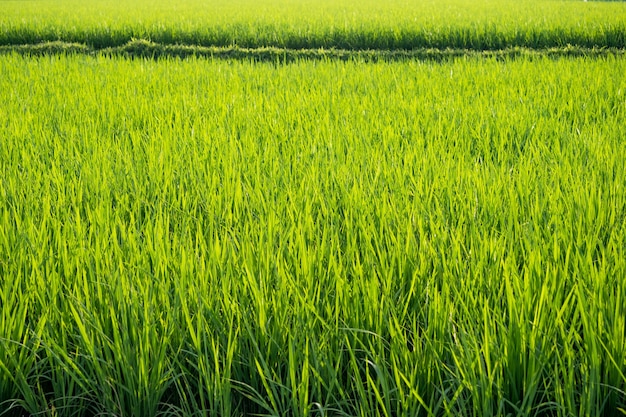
[398, 208]
[199, 237]
[313, 24]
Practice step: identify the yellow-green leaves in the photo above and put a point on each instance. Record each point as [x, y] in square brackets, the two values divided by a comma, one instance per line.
[224, 237]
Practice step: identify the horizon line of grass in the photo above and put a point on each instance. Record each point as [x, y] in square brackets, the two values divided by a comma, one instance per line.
[143, 48]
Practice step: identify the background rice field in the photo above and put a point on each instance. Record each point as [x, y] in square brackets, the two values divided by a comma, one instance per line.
[195, 237]
[312, 24]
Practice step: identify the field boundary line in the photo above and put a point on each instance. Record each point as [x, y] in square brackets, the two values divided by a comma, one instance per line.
[147, 49]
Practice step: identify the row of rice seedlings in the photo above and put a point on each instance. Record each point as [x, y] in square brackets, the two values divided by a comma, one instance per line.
[323, 238]
[396, 25]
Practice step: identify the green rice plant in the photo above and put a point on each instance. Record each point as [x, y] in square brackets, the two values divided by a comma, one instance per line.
[323, 237]
[305, 24]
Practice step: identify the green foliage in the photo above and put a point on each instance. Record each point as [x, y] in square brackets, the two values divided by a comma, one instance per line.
[314, 24]
[205, 237]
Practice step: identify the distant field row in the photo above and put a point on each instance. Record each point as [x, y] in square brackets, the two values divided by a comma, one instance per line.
[200, 237]
[343, 24]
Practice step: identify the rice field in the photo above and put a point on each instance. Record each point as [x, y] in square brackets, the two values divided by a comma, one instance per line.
[313, 24]
[237, 236]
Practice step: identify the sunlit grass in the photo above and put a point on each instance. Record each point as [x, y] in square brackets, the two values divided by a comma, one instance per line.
[207, 237]
[298, 24]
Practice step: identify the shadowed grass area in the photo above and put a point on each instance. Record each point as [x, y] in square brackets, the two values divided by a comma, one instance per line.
[146, 49]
